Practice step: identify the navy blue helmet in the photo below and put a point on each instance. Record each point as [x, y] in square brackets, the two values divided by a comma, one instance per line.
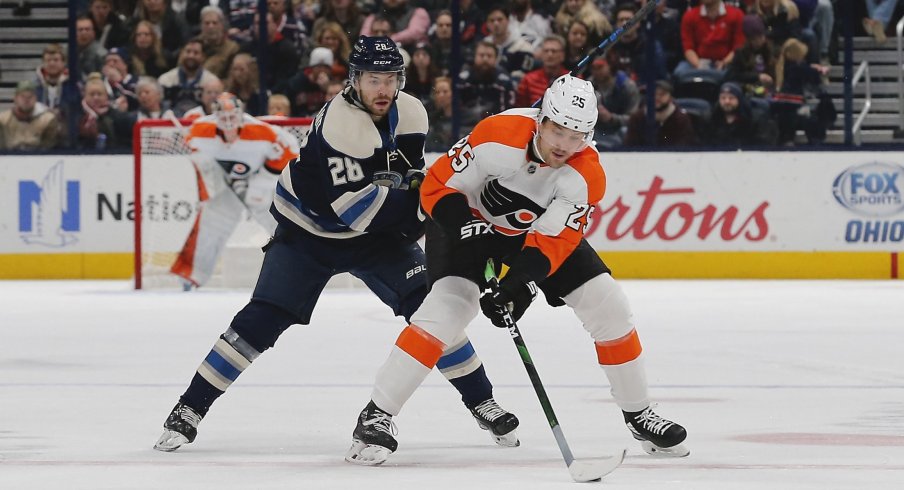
[377, 53]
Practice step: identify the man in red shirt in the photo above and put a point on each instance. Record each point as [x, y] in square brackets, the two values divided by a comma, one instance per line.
[535, 83]
[710, 33]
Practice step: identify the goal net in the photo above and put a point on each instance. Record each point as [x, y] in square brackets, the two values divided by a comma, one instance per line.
[166, 206]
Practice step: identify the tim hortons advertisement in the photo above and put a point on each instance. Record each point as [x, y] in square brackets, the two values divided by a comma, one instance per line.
[737, 201]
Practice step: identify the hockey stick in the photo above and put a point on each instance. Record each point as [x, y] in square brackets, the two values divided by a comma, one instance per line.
[607, 43]
[581, 471]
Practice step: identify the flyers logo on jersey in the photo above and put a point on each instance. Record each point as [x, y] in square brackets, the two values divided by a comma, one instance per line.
[516, 209]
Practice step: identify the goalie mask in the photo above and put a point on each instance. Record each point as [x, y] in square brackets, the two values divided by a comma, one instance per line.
[571, 103]
[229, 113]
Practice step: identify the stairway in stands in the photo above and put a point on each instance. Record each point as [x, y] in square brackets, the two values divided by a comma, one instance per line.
[23, 35]
[884, 116]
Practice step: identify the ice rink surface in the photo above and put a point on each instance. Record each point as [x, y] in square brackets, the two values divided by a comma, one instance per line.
[781, 385]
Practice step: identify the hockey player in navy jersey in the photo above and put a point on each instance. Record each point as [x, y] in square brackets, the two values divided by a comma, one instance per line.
[348, 203]
[519, 189]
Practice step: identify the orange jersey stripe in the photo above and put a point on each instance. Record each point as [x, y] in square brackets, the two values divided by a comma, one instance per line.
[619, 351]
[202, 130]
[587, 163]
[423, 347]
[555, 248]
[510, 130]
[277, 165]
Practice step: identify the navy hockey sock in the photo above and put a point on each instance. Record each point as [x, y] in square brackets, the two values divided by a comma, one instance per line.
[230, 356]
[463, 369]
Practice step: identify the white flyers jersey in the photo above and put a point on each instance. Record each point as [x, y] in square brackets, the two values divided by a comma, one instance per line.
[259, 145]
[493, 169]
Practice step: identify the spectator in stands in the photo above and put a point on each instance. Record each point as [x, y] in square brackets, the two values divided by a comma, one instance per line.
[210, 90]
[710, 34]
[629, 54]
[147, 51]
[307, 88]
[818, 16]
[409, 23]
[439, 113]
[617, 98]
[110, 29]
[51, 77]
[667, 23]
[471, 21]
[218, 48]
[241, 20]
[29, 124]
[278, 106]
[781, 18]
[170, 28]
[879, 17]
[794, 79]
[441, 42]
[346, 13]
[534, 83]
[420, 74]
[243, 81]
[576, 43]
[150, 101]
[182, 85]
[90, 52]
[485, 88]
[290, 27]
[533, 26]
[282, 58]
[753, 65]
[674, 126]
[332, 37]
[97, 119]
[514, 54]
[119, 81]
[734, 124]
[333, 89]
[587, 12]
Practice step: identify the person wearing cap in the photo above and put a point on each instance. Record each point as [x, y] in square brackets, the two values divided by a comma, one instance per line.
[29, 124]
[753, 65]
[618, 98]
[734, 124]
[307, 88]
[119, 81]
[218, 48]
[674, 126]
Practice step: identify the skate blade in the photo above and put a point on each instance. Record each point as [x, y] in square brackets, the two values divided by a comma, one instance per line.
[170, 441]
[676, 451]
[588, 471]
[507, 440]
[367, 454]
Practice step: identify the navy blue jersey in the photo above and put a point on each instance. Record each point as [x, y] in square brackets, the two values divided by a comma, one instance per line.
[345, 181]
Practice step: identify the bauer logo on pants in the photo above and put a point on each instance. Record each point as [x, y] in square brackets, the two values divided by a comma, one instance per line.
[49, 210]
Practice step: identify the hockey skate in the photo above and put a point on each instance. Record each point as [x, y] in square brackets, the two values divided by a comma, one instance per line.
[373, 439]
[657, 436]
[501, 424]
[181, 427]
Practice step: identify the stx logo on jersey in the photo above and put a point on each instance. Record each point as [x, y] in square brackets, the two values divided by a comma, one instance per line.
[476, 228]
[517, 210]
[49, 211]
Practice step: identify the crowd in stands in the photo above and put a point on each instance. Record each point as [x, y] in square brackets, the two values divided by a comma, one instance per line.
[725, 73]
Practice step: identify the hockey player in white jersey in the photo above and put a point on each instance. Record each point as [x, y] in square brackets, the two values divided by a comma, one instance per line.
[348, 203]
[237, 159]
[519, 189]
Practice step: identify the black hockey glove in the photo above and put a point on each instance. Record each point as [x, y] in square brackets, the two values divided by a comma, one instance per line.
[513, 296]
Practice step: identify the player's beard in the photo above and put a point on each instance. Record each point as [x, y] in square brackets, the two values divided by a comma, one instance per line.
[379, 105]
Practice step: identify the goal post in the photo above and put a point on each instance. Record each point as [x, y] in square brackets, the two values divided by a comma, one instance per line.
[166, 204]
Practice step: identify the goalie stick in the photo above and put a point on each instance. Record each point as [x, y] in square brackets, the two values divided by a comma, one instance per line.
[581, 471]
